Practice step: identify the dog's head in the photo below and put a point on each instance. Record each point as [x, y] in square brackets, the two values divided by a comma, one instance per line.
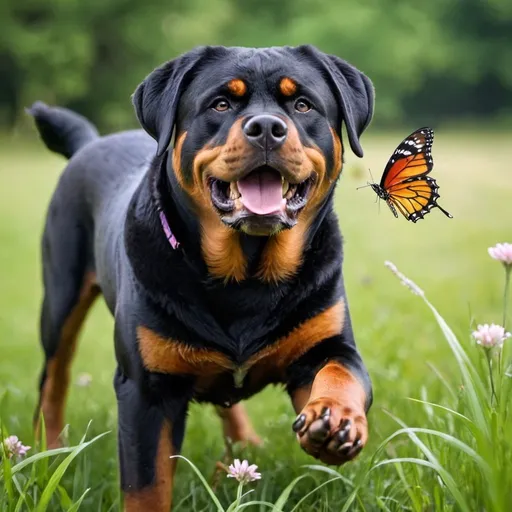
[257, 132]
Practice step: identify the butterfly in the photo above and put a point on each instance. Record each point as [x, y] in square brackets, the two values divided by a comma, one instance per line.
[405, 184]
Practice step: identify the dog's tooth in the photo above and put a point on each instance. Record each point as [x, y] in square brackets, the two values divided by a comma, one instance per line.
[286, 186]
[290, 192]
[234, 193]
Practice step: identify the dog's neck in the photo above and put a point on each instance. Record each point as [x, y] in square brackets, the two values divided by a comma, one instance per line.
[228, 254]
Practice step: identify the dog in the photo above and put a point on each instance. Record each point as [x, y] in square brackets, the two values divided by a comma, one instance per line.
[216, 248]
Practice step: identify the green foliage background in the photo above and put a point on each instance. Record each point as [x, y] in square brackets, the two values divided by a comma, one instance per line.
[431, 62]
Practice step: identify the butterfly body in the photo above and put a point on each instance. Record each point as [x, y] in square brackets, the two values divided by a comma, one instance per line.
[384, 194]
[405, 184]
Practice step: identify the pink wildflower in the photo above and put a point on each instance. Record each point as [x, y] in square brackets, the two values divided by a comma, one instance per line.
[490, 336]
[14, 447]
[242, 472]
[501, 252]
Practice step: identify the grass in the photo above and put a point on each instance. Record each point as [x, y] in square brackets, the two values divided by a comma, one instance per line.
[404, 349]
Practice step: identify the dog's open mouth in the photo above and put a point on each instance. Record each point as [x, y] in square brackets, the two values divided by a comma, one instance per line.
[262, 192]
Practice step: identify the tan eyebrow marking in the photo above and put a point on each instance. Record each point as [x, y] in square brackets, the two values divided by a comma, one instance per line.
[237, 87]
[287, 86]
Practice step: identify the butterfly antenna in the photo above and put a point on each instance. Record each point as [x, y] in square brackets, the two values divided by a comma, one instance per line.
[364, 186]
[370, 171]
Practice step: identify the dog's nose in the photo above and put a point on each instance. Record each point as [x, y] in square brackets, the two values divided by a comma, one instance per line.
[266, 131]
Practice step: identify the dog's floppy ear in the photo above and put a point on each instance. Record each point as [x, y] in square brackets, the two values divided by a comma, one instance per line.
[156, 98]
[354, 93]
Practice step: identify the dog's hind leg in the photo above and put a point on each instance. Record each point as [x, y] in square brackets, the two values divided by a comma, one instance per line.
[69, 291]
[236, 425]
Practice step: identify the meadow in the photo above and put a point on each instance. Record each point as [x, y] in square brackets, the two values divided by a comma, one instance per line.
[406, 352]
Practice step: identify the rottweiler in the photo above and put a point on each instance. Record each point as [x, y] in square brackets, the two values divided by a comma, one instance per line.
[216, 247]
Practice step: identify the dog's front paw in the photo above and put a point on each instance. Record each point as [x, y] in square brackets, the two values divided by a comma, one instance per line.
[330, 431]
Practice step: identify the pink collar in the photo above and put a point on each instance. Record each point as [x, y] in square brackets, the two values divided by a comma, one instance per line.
[167, 230]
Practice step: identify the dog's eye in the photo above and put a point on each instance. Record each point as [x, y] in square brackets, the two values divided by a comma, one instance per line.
[220, 105]
[303, 105]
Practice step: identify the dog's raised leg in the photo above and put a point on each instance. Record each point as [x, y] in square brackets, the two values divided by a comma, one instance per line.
[331, 424]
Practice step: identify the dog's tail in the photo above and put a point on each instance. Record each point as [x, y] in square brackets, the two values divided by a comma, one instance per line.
[62, 130]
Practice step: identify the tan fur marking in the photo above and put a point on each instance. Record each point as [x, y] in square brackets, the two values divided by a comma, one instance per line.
[338, 162]
[336, 382]
[176, 159]
[282, 255]
[168, 356]
[287, 86]
[237, 87]
[303, 338]
[223, 162]
[158, 496]
[54, 392]
[220, 245]
[222, 250]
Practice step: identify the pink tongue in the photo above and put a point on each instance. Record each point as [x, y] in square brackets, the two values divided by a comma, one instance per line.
[262, 192]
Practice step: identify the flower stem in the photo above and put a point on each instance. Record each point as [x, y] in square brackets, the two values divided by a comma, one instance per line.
[239, 495]
[489, 363]
[508, 268]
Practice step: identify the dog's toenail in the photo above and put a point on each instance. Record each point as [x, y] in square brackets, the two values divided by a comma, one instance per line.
[299, 422]
[345, 449]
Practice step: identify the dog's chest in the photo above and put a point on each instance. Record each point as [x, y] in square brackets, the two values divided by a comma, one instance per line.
[215, 374]
[210, 368]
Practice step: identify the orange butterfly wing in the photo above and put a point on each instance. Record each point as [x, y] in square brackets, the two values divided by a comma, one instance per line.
[405, 185]
[412, 158]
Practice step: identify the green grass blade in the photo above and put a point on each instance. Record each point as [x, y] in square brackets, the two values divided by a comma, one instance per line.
[65, 500]
[446, 437]
[38, 456]
[447, 409]
[305, 497]
[52, 484]
[283, 498]
[474, 386]
[330, 471]
[260, 503]
[455, 442]
[442, 378]
[76, 506]
[408, 489]
[413, 460]
[85, 433]
[348, 502]
[441, 471]
[382, 505]
[203, 481]
[7, 471]
[42, 465]
[22, 494]
[234, 507]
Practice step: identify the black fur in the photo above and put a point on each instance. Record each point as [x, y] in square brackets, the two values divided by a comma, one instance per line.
[62, 131]
[103, 218]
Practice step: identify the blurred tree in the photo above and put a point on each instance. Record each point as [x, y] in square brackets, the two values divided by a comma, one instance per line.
[430, 61]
